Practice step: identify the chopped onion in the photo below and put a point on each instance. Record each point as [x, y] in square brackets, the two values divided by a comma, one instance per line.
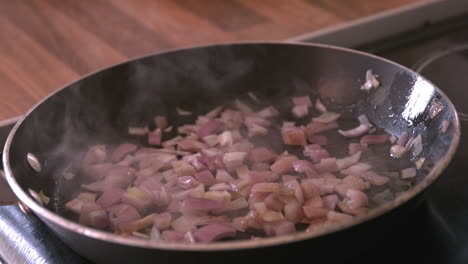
[397, 151]
[408, 173]
[371, 81]
[214, 232]
[326, 117]
[320, 106]
[417, 146]
[357, 169]
[315, 152]
[318, 127]
[293, 136]
[293, 211]
[283, 164]
[355, 132]
[420, 162]
[375, 139]
[225, 138]
[348, 161]
[403, 139]
[444, 126]
[234, 160]
[435, 108]
[300, 111]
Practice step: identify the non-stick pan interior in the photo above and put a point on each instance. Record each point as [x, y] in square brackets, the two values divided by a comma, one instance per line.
[101, 106]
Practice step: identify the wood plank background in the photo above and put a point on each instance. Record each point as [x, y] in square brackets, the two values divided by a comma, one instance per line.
[45, 44]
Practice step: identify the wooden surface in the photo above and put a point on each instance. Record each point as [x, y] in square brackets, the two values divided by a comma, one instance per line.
[45, 44]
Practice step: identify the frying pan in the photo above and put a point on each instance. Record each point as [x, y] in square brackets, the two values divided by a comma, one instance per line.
[101, 106]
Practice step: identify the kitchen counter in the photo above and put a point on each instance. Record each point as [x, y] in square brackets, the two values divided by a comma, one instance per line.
[46, 44]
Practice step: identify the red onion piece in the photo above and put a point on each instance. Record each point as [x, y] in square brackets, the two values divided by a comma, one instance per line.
[191, 145]
[279, 228]
[338, 217]
[444, 126]
[271, 187]
[223, 176]
[435, 108]
[355, 132]
[237, 204]
[86, 210]
[309, 189]
[293, 211]
[403, 139]
[110, 197]
[329, 201]
[356, 199]
[318, 127]
[173, 236]
[99, 219]
[118, 177]
[205, 177]
[300, 111]
[374, 178]
[315, 212]
[74, 205]
[214, 232]
[187, 182]
[296, 187]
[293, 136]
[122, 213]
[348, 161]
[375, 139]
[273, 202]
[351, 182]
[133, 226]
[283, 164]
[163, 221]
[356, 147]
[261, 176]
[315, 152]
[304, 166]
[357, 169]
[234, 160]
[199, 205]
[320, 106]
[327, 165]
[326, 117]
[397, 151]
[122, 150]
[95, 154]
[325, 185]
[210, 127]
[154, 137]
[408, 173]
[183, 168]
[138, 198]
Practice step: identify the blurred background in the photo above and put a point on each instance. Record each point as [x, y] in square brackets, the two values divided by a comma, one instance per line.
[46, 44]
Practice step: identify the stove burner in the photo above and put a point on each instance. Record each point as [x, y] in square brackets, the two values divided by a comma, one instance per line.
[448, 70]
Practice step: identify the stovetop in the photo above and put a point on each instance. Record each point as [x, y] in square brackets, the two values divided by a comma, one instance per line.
[435, 233]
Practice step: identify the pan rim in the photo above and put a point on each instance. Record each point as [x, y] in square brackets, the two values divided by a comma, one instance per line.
[72, 226]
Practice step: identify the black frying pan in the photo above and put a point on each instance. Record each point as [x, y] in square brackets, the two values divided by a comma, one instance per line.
[100, 106]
